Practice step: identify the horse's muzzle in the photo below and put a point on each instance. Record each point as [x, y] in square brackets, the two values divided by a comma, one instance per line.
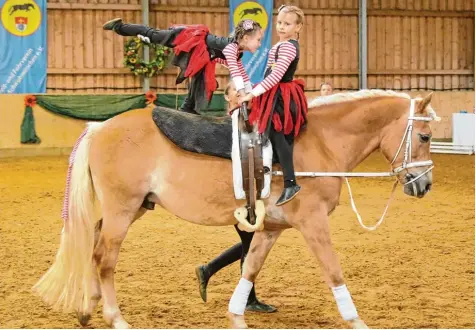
[420, 186]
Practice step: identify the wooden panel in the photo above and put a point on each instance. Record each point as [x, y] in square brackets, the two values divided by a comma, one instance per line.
[435, 48]
[421, 44]
[446, 28]
[406, 52]
[430, 51]
[435, 5]
[415, 43]
[439, 51]
[346, 52]
[397, 52]
[388, 49]
[371, 50]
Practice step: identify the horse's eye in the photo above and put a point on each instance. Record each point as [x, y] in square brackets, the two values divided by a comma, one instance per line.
[424, 138]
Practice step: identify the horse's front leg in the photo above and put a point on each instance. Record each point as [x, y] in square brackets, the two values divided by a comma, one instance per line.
[316, 232]
[261, 244]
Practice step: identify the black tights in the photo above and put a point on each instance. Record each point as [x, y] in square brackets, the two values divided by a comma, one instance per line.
[162, 37]
[235, 253]
[284, 148]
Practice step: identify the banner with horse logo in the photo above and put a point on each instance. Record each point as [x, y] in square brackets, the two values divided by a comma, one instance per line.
[260, 11]
[23, 59]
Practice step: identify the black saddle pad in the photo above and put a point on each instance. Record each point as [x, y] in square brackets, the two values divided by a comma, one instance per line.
[201, 134]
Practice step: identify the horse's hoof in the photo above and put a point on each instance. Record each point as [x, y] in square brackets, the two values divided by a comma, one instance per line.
[236, 321]
[83, 318]
[121, 324]
[358, 324]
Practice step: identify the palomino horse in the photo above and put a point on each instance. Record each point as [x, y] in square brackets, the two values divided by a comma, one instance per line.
[123, 159]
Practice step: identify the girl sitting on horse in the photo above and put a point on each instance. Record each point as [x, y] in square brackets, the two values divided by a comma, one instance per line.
[197, 51]
[280, 107]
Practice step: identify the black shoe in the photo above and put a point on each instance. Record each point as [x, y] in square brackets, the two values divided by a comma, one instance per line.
[259, 307]
[288, 194]
[203, 278]
[113, 24]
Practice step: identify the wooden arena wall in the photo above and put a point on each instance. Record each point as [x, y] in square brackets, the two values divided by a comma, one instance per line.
[412, 44]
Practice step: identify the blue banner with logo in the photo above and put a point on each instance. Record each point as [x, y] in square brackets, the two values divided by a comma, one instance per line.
[23, 59]
[260, 11]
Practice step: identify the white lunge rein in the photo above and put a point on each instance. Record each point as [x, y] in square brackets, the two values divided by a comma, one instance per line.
[407, 163]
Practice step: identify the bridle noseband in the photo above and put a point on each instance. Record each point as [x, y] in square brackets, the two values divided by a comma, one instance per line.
[407, 157]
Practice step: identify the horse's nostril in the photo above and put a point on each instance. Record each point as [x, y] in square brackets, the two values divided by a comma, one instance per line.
[428, 187]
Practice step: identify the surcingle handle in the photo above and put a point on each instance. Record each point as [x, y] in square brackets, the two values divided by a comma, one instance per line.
[244, 113]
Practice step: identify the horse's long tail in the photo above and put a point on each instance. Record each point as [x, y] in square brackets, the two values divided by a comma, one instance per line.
[67, 284]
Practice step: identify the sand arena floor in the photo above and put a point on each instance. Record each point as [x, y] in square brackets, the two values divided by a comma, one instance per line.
[415, 271]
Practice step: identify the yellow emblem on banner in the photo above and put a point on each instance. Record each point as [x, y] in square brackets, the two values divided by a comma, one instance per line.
[21, 17]
[251, 10]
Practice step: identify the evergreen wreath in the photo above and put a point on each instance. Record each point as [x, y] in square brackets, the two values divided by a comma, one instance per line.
[137, 65]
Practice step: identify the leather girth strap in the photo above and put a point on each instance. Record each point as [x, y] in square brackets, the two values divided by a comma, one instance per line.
[252, 166]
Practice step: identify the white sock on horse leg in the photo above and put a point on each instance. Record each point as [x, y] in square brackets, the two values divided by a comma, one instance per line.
[344, 303]
[239, 298]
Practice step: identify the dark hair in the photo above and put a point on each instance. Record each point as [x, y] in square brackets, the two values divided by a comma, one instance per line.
[245, 27]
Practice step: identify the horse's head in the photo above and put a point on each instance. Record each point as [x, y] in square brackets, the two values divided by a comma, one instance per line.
[406, 144]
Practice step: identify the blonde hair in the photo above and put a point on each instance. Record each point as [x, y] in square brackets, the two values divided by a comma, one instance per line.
[324, 83]
[243, 29]
[296, 10]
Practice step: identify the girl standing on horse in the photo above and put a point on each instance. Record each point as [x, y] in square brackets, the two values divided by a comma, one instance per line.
[280, 107]
[197, 51]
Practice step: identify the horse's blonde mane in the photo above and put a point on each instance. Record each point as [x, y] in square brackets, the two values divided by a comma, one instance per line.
[347, 97]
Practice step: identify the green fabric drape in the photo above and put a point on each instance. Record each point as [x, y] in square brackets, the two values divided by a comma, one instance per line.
[102, 107]
[91, 107]
[28, 133]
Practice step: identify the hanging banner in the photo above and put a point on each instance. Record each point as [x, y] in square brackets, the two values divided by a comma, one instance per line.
[260, 11]
[23, 59]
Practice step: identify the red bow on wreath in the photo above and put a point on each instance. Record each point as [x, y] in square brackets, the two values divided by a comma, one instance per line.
[30, 100]
[150, 97]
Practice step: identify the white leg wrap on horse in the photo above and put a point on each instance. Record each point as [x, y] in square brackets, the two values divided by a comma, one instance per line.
[239, 298]
[344, 303]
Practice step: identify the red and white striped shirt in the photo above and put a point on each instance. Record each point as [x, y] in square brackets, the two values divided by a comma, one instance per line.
[287, 54]
[235, 65]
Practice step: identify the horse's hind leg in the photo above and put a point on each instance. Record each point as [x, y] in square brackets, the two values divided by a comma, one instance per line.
[96, 285]
[316, 232]
[117, 219]
[261, 244]
[106, 254]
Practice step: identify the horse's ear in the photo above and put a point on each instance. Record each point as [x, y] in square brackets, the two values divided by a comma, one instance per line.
[426, 101]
